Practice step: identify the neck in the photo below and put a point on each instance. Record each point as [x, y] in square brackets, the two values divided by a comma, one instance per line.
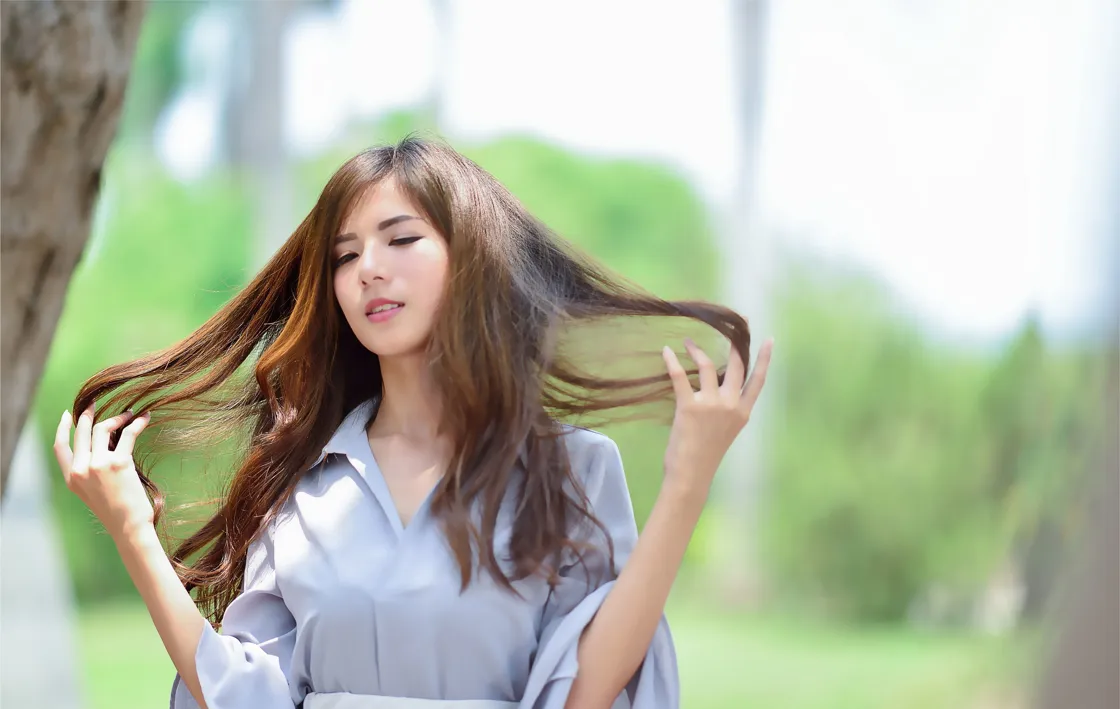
[410, 405]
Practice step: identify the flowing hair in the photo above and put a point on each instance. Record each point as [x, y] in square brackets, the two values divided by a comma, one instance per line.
[280, 365]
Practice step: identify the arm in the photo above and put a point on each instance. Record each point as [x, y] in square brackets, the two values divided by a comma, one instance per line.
[242, 669]
[614, 645]
[706, 422]
[107, 482]
[177, 619]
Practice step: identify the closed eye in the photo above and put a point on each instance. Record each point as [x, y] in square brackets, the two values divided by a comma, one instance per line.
[399, 241]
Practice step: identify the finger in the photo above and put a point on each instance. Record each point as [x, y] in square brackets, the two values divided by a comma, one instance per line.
[709, 378]
[131, 432]
[733, 378]
[103, 431]
[62, 450]
[82, 435]
[758, 376]
[681, 386]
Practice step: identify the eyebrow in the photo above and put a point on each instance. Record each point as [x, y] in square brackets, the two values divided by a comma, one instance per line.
[391, 221]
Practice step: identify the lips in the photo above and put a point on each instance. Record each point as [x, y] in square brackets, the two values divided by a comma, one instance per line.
[382, 309]
[382, 305]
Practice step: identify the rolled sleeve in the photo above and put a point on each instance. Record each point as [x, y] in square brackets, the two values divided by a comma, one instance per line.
[246, 665]
[583, 587]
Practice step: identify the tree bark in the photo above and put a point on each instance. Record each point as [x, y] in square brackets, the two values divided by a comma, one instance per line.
[64, 70]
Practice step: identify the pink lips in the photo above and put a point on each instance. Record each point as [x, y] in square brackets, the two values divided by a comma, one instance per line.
[384, 314]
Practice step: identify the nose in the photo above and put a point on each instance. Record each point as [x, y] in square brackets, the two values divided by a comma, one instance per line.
[371, 265]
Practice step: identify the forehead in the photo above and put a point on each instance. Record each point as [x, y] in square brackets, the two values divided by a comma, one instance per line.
[380, 201]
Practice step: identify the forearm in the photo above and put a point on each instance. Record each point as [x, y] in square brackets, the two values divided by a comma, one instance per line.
[617, 639]
[177, 619]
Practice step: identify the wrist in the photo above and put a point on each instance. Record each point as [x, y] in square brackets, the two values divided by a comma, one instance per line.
[684, 493]
[138, 533]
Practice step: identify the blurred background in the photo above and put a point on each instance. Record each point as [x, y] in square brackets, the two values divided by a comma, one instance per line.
[916, 199]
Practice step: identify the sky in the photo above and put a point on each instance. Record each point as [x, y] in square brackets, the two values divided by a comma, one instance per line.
[955, 149]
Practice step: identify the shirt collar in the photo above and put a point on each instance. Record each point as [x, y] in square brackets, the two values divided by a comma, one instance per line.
[350, 436]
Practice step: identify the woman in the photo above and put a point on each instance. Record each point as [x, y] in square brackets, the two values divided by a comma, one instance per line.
[410, 525]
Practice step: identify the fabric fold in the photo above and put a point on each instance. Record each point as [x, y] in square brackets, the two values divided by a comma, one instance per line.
[246, 666]
[655, 685]
[236, 675]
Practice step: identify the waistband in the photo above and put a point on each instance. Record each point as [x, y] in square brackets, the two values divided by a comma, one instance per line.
[345, 700]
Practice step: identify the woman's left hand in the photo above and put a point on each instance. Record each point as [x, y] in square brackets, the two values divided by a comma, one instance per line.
[105, 479]
[706, 422]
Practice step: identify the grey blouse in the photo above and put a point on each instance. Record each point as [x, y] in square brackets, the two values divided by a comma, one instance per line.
[339, 596]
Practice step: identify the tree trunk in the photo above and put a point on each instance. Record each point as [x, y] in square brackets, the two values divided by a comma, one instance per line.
[62, 82]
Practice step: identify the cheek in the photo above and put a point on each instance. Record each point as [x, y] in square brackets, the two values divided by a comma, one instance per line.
[342, 294]
[430, 275]
[438, 279]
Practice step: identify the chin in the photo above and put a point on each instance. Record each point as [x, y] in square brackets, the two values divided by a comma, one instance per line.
[395, 339]
[395, 347]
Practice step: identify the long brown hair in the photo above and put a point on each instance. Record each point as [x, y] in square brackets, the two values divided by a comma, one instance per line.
[280, 364]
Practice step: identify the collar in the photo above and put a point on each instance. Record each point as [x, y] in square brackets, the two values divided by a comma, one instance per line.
[350, 436]
[350, 439]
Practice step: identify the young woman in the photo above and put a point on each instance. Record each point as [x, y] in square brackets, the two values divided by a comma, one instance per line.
[411, 525]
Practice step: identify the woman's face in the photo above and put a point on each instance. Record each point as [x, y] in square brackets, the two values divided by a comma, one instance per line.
[390, 267]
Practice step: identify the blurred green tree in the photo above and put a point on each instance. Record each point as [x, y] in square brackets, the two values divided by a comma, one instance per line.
[903, 465]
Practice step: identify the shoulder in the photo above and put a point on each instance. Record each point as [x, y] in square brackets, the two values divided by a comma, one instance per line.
[281, 524]
[597, 468]
[586, 447]
[596, 462]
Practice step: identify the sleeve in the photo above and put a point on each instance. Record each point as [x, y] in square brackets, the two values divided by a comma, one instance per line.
[576, 599]
[247, 665]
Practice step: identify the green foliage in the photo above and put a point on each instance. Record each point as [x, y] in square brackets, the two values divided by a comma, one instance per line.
[1043, 409]
[899, 465]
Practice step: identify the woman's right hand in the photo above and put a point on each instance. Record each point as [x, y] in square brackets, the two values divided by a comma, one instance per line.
[706, 422]
[105, 480]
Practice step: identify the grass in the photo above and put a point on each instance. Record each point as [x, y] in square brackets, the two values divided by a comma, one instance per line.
[123, 658]
[726, 661]
[764, 662]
